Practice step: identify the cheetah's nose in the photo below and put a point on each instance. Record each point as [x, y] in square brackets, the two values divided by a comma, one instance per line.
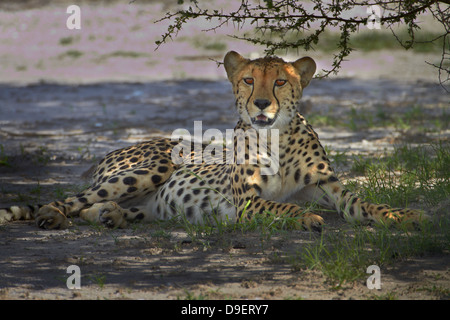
[261, 103]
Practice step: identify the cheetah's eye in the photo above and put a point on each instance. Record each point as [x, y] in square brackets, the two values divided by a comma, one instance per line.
[248, 81]
[280, 82]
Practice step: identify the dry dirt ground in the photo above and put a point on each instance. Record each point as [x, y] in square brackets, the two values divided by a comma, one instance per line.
[61, 111]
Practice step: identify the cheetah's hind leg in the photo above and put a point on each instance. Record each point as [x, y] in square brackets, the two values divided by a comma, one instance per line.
[50, 217]
[111, 214]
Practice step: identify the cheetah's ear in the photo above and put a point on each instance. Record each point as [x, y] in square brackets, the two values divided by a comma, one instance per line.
[306, 67]
[231, 62]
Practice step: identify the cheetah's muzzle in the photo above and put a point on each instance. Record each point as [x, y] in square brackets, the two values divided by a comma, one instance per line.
[262, 120]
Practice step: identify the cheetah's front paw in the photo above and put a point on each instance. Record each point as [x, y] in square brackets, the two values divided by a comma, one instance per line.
[310, 221]
[50, 217]
[112, 216]
[406, 217]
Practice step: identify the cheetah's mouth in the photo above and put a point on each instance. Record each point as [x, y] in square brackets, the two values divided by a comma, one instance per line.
[262, 120]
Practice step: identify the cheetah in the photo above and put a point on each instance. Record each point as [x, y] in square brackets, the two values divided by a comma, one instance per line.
[142, 182]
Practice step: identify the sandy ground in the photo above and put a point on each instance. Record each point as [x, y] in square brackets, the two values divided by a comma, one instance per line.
[61, 111]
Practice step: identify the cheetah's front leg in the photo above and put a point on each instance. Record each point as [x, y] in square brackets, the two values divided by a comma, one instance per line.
[352, 208]
[255, 205]
[246, 190]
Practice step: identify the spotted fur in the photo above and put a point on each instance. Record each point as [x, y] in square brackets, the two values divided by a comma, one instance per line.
[142, 182]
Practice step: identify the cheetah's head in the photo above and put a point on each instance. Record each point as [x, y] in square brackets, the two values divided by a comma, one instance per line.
[268, 89]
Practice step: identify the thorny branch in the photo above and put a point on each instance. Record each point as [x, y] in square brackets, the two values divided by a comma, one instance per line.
[283, 18]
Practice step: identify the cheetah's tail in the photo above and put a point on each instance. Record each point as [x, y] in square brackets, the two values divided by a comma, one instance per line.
[14, 213]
